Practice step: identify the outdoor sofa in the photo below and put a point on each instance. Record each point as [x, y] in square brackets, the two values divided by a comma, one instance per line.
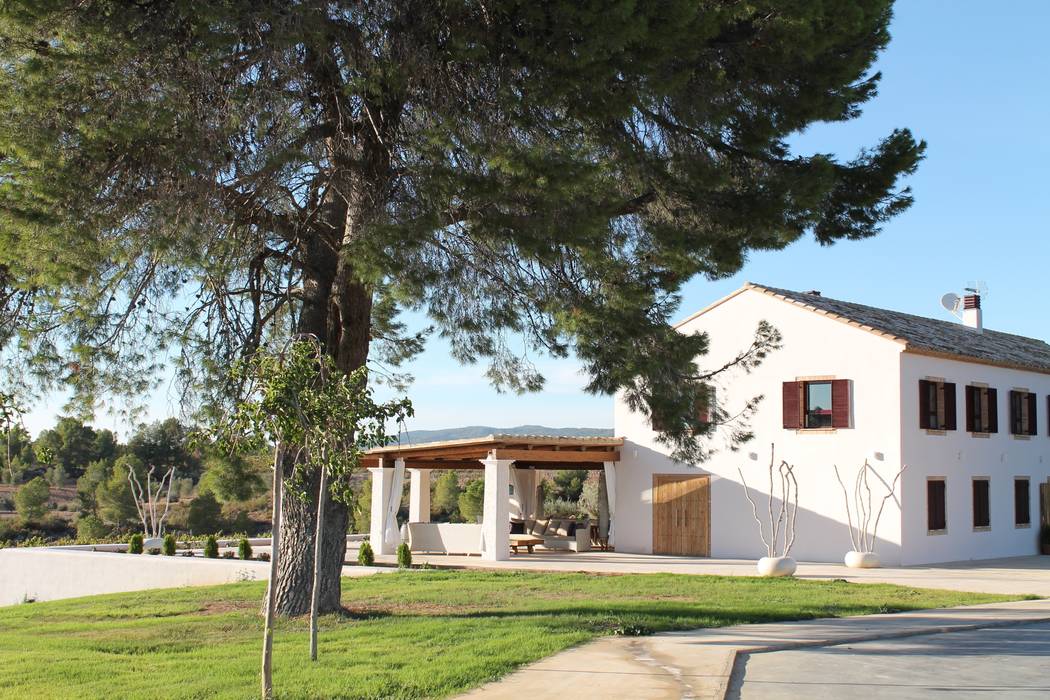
[556, 533]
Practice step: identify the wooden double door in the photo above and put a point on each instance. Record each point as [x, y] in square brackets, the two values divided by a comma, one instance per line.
[682, 515]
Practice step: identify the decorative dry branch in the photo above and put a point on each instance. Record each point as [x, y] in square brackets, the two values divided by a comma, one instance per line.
[782, 525]
[863, 537]
[147, 499]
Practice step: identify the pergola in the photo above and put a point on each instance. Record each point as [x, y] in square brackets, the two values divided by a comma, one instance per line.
[507, 460]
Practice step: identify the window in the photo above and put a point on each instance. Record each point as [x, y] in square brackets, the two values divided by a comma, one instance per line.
[982, 410]
[936, 404]
[935, 506]
[982, 510]
[1022, 502]
[817, 412]
[817, 404]
[1022, 412]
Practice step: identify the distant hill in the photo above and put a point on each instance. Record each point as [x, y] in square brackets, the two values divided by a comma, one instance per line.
[478, 431]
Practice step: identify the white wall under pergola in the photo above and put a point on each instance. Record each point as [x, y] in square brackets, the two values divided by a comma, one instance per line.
[504, 459]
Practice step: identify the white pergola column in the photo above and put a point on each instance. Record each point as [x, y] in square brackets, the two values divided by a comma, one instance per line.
[382, 476]
[495, 522]
[419, 496]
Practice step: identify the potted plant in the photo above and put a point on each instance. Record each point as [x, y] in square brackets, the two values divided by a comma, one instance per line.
[778, 560]
[864, 536]
[1044, 539]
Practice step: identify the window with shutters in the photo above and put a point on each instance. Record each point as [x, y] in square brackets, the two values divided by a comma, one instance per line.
[936, 405]
[936, 506]
[982, 507]
[817, 404]
[982, 410]
[1022, 412]
[1022, 502]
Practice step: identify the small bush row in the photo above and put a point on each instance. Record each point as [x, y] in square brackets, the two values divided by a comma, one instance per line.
[211, 548]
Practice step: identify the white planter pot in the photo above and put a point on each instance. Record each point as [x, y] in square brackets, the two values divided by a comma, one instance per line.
[153, 543]
[776, 566]
[862, 560]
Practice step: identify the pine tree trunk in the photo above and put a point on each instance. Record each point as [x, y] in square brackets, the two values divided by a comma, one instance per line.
[295, 571]
[337, 311]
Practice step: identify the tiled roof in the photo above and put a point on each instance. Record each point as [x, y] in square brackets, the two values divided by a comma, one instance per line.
[929, 335]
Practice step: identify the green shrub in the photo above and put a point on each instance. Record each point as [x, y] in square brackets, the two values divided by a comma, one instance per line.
[404, 556]
[365, 555]
[31, 500]
[244, 549]
[362, 508]
[205, 514]
[7, 530]
[135, 544]
[169, 545]
[90, 528]
[211, 547]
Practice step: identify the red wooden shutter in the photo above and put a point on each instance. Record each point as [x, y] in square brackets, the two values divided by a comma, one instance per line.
[924, 404]
[840, 403]
[949, 407]
[1033, 424]
[993, 411]
[972, 397]
[707, 404]
[792, 405]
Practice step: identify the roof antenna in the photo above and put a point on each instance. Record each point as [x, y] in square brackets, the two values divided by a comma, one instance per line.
[977, 287]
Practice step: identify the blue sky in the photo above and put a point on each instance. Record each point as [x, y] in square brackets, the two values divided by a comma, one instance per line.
[968, 77]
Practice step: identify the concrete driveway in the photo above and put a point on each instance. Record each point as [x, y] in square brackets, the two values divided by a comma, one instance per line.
[1004, 662]
[707, 663]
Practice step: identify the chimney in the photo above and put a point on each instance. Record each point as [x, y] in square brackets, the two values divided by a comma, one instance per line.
[972, 312]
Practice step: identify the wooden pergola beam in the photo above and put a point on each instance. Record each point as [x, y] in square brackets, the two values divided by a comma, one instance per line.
[558, 455]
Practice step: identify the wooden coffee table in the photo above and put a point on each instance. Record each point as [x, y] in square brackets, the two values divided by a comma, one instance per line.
[527, 541]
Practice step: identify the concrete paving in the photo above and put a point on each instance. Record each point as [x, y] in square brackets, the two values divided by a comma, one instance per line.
[1016, 576]
[704, 663]
[1009, 662]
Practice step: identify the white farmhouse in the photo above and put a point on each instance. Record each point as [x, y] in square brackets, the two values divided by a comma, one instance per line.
[965, 408]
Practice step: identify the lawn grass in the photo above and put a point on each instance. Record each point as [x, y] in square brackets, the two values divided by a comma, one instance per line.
[414, 634]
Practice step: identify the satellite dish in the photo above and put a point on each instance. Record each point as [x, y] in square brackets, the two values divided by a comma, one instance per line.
[951, 302]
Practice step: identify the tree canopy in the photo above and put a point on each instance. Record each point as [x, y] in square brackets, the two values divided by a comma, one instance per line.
[549, 172]
[196, 180]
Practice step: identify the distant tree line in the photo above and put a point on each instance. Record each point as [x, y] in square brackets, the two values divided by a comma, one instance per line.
[94, 462]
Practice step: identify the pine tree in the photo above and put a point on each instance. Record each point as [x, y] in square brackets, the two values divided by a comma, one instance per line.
[536, 177]
[445, 500]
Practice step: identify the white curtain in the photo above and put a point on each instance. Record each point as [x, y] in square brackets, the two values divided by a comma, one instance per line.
[397, 482]
[610, 487]
[519, 496]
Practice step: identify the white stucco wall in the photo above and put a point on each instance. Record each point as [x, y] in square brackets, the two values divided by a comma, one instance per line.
[813, 345]
[53, 573]
[959, 457]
